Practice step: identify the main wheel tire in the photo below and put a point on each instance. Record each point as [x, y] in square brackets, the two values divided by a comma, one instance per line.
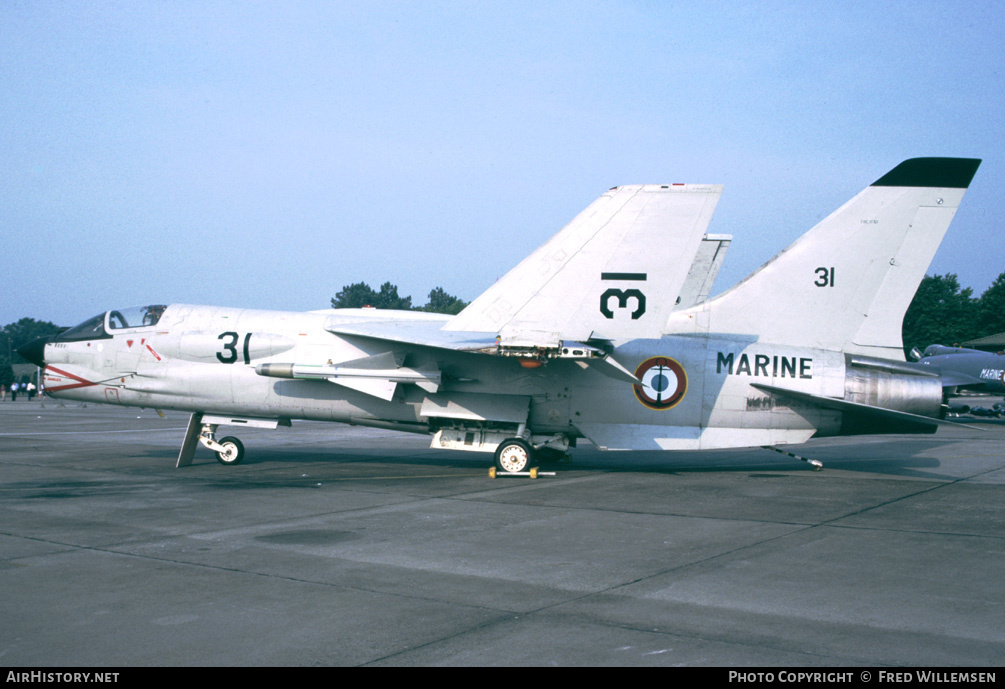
[233, 451]
[514, 455]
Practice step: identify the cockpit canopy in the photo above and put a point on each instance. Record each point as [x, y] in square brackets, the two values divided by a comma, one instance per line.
[135, 317]
[939, 350]
[101, 326]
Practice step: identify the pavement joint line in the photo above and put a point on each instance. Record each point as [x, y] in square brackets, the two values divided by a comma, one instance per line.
[32, 434]
[931, 487]
[747, 546]
[505, 615]
[72, 547]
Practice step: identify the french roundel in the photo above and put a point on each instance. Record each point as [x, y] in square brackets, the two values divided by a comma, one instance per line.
[663, 382]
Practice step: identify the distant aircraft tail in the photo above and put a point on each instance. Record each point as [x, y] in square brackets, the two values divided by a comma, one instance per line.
[846, 284]
[616, 271]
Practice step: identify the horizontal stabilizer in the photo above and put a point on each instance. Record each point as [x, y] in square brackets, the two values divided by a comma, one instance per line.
[859, 408]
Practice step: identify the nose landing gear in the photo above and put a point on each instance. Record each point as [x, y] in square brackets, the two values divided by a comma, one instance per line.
[233, 451]
[229, 450]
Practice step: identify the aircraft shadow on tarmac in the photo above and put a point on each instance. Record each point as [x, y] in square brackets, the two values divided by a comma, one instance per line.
[894, 456]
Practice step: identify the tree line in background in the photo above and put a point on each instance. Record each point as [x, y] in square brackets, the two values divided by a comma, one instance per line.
[15, 335]
[360, 294]
[941, 313]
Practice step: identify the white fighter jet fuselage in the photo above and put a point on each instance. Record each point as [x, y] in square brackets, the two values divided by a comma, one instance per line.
[587, 338]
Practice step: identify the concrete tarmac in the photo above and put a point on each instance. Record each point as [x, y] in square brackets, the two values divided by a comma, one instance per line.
[333, 545]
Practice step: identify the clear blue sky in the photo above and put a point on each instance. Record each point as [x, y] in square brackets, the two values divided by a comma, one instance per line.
[266, 154]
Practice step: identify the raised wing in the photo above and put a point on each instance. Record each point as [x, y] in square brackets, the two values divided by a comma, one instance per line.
[615, 272]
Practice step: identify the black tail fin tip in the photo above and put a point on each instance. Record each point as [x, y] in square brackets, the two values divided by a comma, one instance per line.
[953, 173]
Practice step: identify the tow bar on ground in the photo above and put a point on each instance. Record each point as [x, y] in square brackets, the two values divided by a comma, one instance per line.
[533, 473]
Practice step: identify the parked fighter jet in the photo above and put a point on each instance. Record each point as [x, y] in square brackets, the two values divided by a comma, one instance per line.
[592, 336]
[966, 369]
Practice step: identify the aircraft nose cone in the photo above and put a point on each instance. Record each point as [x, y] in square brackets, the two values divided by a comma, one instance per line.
[34, 351]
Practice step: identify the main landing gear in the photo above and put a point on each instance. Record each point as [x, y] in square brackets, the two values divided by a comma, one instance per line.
[518, 450]
[514, 456]
[520, 454]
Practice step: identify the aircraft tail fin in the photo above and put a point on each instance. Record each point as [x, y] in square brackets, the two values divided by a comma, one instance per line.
[846, 284]
[616, 271]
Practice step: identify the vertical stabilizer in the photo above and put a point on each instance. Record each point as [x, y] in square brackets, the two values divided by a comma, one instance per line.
[846, 284]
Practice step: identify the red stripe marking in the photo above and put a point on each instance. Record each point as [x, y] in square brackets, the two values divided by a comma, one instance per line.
[81, 384]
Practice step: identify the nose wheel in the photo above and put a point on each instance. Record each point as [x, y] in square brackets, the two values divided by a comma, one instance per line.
[232, 452]
[229, 450]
